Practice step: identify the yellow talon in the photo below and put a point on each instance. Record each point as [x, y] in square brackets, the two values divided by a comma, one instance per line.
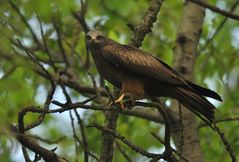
[119, 101]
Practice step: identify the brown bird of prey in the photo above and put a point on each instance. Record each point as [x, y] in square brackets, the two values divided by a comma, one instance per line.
[140, 74]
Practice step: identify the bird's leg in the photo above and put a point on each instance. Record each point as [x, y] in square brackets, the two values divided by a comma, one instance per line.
[119, 101]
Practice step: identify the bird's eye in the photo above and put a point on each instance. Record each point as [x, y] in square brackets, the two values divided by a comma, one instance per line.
[88, 37]
[99, 37]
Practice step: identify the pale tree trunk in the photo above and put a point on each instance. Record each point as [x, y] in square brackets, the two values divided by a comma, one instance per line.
[186, 136]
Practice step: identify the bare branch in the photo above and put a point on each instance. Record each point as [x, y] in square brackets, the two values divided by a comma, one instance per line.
[80, 16]
[28, 142]
[226, 143]
[215, 33]
[60, 43]
[34, 59]
[146, 24]
[83, 135]
[215, 9]
[14, 6]
[124, 140]
[227, 119]
[144, 113]
[25, 154]
[123, 152]
[75, 137]
[46, 107]
[175, 151]
[47, 140]
[46, 47]
[167, 155]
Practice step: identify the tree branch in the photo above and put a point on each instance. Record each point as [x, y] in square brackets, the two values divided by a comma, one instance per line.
[167, 155]
[124, 140]
[146, 24]
[25, 22]
[228, 119]
[215, 9]
[161, 141]
[30, 143]
[123, 152]
[144, 113]
[226, 143]
[215, 33]
[60, 44]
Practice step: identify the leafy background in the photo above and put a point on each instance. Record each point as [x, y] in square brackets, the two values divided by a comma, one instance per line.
[217, 67]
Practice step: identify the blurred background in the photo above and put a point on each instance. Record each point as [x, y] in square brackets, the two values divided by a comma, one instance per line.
[21, 85]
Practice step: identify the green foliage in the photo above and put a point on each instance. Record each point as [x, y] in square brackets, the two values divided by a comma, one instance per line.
[218, 63]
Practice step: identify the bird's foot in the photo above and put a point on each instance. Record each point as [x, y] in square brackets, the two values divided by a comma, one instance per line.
[129, 103]
[119, 101]
[124, 101]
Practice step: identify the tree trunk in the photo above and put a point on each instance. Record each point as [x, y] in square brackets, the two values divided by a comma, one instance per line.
[186, 136]
[107, 148]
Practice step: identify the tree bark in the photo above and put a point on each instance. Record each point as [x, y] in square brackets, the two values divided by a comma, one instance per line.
[185, 133]
[107, 148]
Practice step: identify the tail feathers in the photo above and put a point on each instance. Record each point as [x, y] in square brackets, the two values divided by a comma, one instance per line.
[204, 91]
[197, 104]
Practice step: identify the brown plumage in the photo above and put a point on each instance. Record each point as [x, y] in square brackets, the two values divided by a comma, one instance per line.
[139, 73]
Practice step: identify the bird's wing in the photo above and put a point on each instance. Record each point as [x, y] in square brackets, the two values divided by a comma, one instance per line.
[137, 61]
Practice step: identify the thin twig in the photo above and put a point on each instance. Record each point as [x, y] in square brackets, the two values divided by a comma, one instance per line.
[8, 73]
[218, 29]
[75, 137]
[46, 107]
[123, 152]
[34, 59]
[14, 6]
[124, 140]
[181, 128]
[167, 155]
[83, 135]
[228, 119]
[25, 154]
[175, 151]
[77, 140]
[80, 16]
[60, 43]
[226, 143]
[92, 78]
[46, 46]
[47, 140]
[215, 9]
[65, 107]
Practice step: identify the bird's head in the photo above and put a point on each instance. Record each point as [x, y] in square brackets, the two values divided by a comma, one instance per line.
[95, 38]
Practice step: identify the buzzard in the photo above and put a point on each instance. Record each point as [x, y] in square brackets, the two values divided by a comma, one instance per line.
[140, 74]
